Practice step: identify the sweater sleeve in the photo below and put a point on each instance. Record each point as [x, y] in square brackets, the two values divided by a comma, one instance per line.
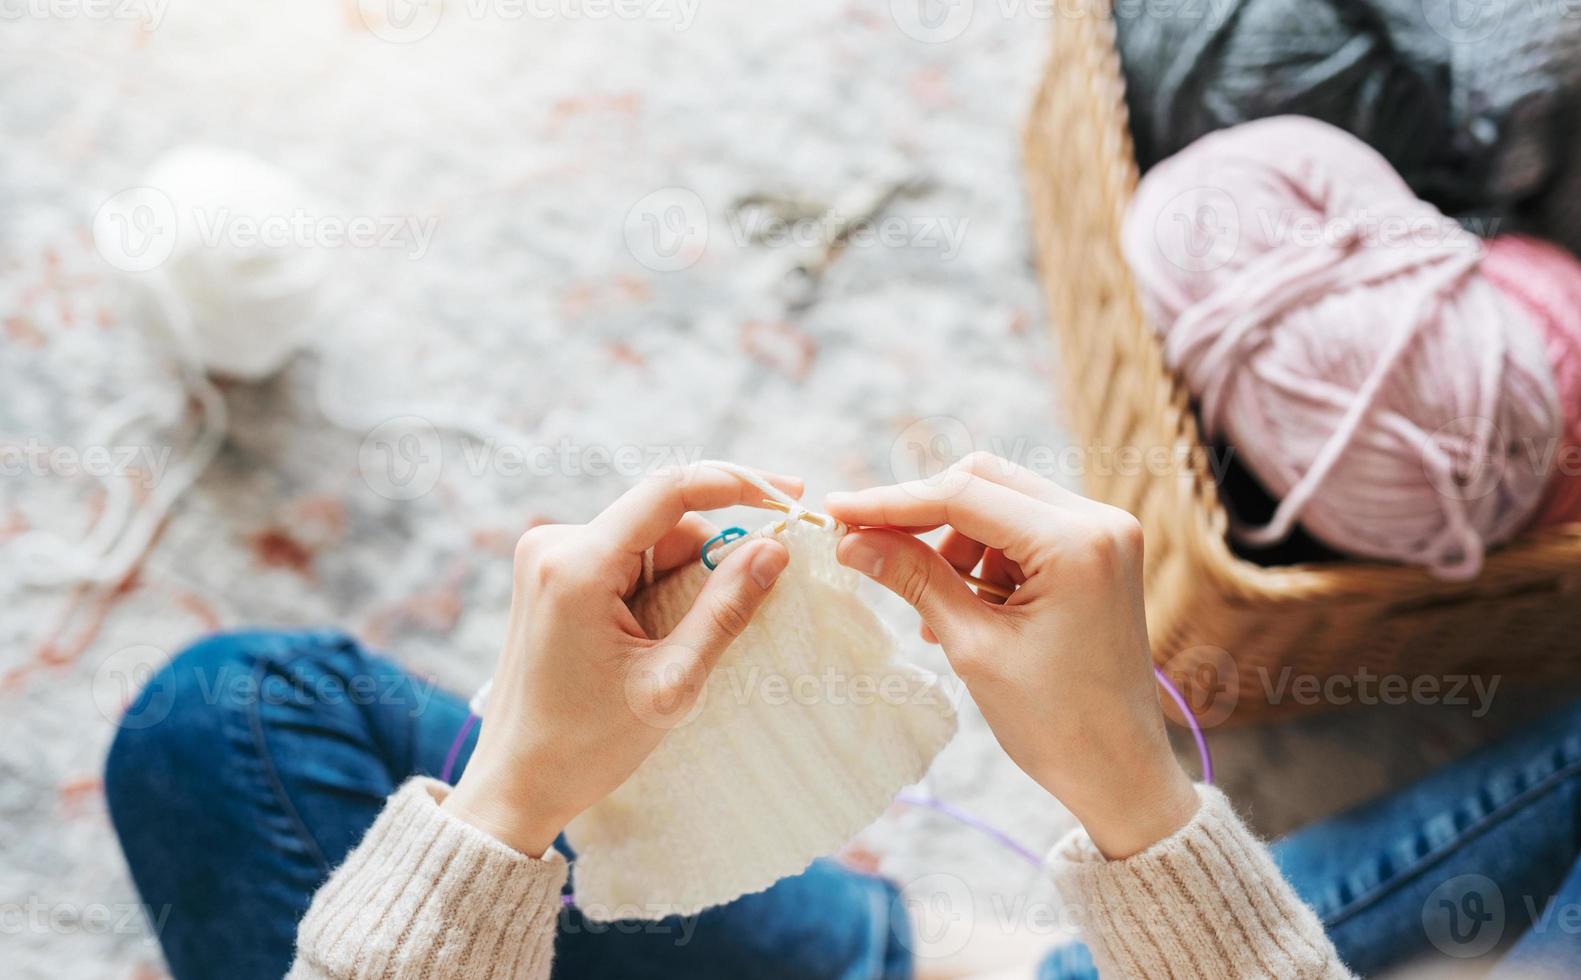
[426, 895]
[1206, 902]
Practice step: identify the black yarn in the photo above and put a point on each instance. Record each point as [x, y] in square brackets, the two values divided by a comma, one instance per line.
[1478, 106]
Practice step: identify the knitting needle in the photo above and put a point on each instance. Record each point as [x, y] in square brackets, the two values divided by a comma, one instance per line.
[785, 509]
[992, 588]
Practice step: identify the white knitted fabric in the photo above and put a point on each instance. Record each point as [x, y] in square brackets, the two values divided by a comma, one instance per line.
[803, 735]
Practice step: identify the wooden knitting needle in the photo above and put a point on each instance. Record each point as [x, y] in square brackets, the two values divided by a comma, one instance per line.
[992, 588]
[785, 509]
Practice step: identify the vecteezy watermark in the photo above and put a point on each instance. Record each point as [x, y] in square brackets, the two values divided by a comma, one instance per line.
[405, 21]
[1473, 21]
[36, 916]
[403, 458]
[143, 464]
[1467, 915]
[1387, 230]
[932, 21]
[387, 689]
[1208, 678]
[149, 14]
[1366, 687]
[1464, 917]
[938, 21]
[567, 458]
[923, 457]
[1469, 21]
[924, 453]
[667, 230]
[1553, 457]
[1199, 229]
[940, 913]
[400, 21]
[302, 228]
[132, 690]
[629, 919]
[666, 693]
[138, 229]
[761, 226]
[1203, 228]
[128, 689]
[936, 915]
[679, 15]
[1468, 458]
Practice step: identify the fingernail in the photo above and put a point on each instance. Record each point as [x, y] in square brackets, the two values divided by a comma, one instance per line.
[767, 564]
[838, 498]
[862, 555]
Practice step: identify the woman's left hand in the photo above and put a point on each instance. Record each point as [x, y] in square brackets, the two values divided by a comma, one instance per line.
[581, 694]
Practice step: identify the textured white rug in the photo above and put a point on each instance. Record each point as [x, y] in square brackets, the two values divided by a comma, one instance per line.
[587, 281]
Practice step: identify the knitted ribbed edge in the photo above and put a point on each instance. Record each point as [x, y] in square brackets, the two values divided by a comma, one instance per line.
[1206, 902]
[428, 895]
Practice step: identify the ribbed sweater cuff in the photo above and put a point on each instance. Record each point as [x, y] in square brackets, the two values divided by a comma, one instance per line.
[1206, 902]
[426, 895]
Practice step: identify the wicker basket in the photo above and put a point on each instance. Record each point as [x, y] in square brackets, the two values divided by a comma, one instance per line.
[1237, 635]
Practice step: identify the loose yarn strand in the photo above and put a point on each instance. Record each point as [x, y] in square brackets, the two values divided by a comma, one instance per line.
[121, 535]
[1299, 495]
[357, 417]
[793, 507]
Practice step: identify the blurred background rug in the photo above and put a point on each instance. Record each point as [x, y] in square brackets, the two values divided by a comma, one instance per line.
[591, 230]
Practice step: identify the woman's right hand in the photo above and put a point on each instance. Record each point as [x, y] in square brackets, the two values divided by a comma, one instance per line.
[1062, 670]
[581, 694]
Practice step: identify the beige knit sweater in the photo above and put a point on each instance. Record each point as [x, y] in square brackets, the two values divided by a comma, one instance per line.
[428, 896]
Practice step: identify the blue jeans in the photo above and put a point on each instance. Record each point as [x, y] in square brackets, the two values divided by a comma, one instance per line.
[1476, 863]
[253, 763]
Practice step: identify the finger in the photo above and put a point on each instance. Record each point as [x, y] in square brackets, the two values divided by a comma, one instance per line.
[919, 575]
[996, 515]
[733, 594]
[679, 547]
[648, 511]
[961, 551]
[997, 469]
[1000, 571]
[927, 635]
[683, 543]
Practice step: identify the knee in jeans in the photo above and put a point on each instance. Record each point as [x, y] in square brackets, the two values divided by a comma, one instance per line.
[176, 725]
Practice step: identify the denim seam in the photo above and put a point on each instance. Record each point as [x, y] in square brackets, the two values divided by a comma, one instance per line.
[250, 762]
[271, 773]
[1495, 816]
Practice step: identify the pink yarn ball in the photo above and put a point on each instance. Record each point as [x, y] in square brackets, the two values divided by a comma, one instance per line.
[1338, 332]
[1544, 280]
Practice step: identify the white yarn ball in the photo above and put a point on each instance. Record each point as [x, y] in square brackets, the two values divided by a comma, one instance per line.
[242, 285]
[213, 246]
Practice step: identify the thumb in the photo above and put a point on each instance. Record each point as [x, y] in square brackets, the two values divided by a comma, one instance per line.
[733, 594]
[918, 574]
